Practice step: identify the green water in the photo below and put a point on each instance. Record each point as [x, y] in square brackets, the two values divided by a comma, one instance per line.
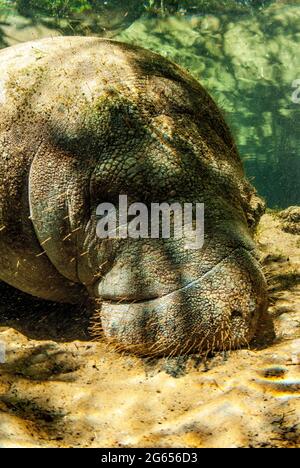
[246, 53]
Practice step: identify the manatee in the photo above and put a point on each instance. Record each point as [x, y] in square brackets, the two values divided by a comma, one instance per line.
[84, 120]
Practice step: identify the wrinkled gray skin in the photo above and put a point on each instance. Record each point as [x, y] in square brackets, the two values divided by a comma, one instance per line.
[83, 120]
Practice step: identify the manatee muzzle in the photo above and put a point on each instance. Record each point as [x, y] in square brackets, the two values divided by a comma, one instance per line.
[219, 310]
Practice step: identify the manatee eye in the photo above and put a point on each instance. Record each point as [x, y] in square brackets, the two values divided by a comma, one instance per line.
[172, 193]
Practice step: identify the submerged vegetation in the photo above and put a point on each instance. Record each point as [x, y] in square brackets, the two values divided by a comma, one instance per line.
[74, 13]
[70, 7]
[75, 16]
[163, 7]
[245, 52]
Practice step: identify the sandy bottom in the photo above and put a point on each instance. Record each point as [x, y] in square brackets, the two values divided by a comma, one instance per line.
[66, 393]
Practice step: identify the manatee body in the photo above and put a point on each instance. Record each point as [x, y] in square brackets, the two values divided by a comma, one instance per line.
[84, 120]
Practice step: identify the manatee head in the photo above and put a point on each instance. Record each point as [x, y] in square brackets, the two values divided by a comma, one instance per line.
[120, 120]
[160, 296]
[159, 138]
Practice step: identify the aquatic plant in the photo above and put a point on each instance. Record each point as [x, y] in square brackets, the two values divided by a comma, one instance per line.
[165, 7]
[82, 17]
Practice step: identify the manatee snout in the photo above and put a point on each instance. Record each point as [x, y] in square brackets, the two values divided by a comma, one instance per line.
[217, 311]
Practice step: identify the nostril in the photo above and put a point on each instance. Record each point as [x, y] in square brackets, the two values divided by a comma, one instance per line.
[236, 314]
